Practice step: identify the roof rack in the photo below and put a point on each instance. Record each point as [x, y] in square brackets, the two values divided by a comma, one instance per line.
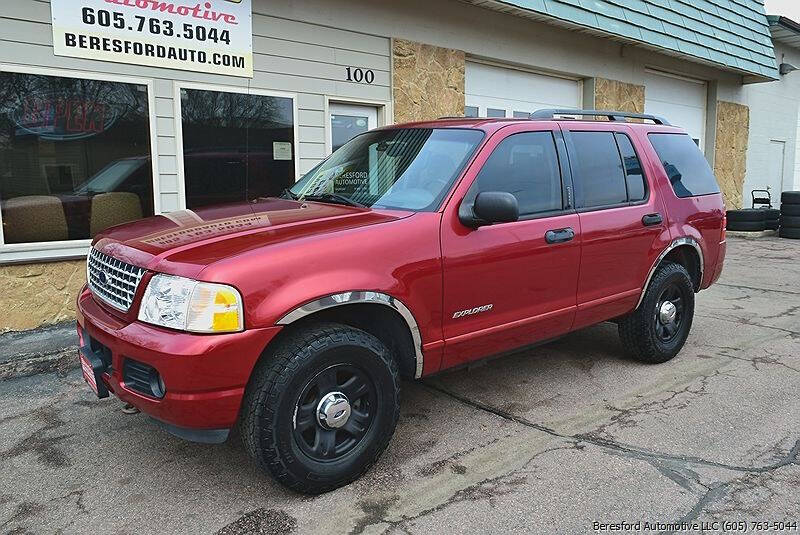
[616, 116]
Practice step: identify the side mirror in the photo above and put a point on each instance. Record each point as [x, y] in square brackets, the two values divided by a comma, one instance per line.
[489, 207]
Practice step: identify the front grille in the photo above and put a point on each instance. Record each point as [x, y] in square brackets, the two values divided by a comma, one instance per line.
[112, 280]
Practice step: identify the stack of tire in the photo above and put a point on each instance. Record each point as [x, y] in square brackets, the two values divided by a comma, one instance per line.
[790, 215]
[753, 219]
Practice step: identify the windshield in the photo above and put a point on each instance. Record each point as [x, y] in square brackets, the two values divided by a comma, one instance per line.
[111, 176]
[406, 168]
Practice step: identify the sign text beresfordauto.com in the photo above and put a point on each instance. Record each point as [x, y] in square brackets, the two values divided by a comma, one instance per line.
[214, 36]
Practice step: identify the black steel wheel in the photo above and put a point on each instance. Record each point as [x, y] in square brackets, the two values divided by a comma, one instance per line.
[669, 313]
[334, 412]
[656, 331]
[321, 406]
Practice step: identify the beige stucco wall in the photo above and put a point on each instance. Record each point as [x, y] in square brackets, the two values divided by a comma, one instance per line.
[730, 154]
[616, 95]
[33, 295]
[427, 81]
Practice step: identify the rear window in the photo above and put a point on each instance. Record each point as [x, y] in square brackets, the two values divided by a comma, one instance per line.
[686, 167]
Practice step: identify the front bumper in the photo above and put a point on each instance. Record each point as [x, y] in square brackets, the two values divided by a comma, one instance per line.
[205, 374]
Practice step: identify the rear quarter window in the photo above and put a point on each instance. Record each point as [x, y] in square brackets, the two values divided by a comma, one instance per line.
[686, 167]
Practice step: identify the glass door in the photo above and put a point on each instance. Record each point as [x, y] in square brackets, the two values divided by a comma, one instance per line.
[349, 120]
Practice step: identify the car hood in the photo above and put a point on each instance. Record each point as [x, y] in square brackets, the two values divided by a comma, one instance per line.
[186, 241]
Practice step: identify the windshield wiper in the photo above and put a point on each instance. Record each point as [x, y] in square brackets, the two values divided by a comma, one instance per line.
[288, 193]
[334, 198]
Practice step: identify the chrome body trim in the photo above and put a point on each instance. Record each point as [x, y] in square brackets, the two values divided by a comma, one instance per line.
[349, 298]
[686, 240]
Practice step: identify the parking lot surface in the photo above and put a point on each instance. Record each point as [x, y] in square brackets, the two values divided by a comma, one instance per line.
[551, 440]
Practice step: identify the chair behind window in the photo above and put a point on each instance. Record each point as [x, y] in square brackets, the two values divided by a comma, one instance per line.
[115, 208]
[34, 218]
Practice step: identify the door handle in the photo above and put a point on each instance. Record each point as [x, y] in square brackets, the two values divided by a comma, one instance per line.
[559, 235]
[652, 219]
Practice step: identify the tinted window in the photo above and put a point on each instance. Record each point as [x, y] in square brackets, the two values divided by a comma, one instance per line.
[74, 156]
[525, 165]
[634, 175]
[686, 167]
[236, 147]
[599, 177]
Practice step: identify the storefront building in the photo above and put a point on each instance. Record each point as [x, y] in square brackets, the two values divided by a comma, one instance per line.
[773, 155]
[96, 129]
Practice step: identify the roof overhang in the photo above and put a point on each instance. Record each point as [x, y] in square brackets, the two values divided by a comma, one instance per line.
[784, 30]
[766, 72]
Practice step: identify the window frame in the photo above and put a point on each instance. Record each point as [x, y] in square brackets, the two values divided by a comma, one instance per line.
[565, 175]
[646, 198]
[17, 253]
[576, 176]
[218, 88]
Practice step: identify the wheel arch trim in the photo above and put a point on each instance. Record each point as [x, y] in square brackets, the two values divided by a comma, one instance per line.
[674, 244]
[359, 297]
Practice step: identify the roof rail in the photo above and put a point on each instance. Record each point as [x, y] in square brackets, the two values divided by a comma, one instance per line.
[617, 116]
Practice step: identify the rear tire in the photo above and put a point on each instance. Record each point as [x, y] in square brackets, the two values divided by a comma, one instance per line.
[790, 197]
[330, 369]
[647, 333]
[790, 209]
[791, 233]
[790, 221]
[747, 214]
[771, 213]
[747, 226]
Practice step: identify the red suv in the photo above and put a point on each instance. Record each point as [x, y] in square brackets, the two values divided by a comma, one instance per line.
[412, 249]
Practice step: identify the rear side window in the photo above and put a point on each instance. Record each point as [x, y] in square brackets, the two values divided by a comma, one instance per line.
[686, 167]
[525, 165]
[600, 177]
[634, 175]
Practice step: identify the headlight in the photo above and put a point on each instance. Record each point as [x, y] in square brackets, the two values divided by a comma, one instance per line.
[189, 305]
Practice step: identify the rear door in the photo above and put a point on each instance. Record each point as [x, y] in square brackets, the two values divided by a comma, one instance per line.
[622, 220]
[506, 285]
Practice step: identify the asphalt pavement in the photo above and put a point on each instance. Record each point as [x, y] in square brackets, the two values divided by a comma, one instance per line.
[571, 437]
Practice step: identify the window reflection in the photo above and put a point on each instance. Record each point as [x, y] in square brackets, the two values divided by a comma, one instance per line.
[237, 147]
[74, 156]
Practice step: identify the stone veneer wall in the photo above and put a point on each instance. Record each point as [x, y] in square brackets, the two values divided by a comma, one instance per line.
[34, 295]
[730, 155]
[615, 95]
[427, 81]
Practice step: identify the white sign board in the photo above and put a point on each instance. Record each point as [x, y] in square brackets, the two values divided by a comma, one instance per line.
[214, 36]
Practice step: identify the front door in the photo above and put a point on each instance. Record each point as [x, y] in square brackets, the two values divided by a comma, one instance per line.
[505, 285]
[349, 120]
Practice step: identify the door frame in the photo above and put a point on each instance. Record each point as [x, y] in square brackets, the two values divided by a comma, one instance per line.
[385, 114]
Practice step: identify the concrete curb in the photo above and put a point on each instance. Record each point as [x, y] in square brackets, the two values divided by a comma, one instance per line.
[47, 349]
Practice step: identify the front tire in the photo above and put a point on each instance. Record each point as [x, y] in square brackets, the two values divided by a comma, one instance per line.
[322, 407]
[657, 330]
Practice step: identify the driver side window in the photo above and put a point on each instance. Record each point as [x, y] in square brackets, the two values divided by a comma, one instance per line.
[525, 165]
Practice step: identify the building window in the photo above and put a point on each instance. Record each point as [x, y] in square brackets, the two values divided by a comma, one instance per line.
[74, 156]
[236, 147]
[470, 111]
